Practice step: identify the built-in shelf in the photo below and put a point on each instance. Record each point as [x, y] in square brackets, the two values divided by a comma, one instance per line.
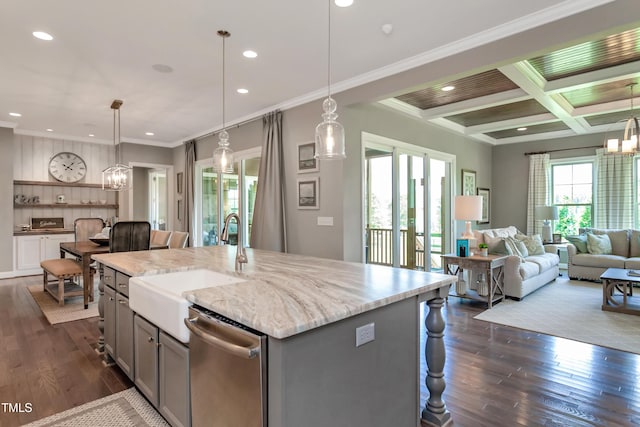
[57, 184]
[64, 205]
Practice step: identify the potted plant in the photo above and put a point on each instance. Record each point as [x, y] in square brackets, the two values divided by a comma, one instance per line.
[483, 249]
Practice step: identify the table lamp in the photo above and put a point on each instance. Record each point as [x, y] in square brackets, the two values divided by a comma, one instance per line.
[546, 213]
[468, 208]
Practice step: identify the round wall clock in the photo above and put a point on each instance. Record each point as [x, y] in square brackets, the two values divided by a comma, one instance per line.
[67, 167]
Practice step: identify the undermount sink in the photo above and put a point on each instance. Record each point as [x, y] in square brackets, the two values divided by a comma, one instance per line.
[158, 298]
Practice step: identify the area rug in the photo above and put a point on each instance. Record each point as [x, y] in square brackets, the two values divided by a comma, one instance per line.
[73, 308]
[124, 409]
[569, 309]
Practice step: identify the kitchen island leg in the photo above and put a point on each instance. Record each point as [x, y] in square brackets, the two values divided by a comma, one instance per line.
[435, 412]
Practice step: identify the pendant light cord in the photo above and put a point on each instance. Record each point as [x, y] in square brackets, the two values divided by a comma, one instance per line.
[329, 50]
[223, 84]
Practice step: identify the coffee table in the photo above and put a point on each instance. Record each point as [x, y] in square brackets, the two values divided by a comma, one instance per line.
[617, 291]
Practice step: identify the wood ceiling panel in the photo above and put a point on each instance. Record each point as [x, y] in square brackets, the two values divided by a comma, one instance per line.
[482, 84]
[594, 55]
[599, 94]
[610, 118]
[530, 107]
[531, 130]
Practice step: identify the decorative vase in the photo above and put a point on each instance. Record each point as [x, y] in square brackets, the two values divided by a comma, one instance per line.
[483, 252]
[481, 285]
[461, 285]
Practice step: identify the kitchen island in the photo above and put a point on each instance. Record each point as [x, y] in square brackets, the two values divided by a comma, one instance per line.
[310, 308]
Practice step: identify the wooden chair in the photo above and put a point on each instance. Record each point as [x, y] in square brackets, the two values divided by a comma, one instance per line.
[178, 239]
[160, 237]
[85, 228]
[130, 236]
[65, 271]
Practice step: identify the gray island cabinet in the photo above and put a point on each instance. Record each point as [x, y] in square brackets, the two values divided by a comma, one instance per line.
[310, 308]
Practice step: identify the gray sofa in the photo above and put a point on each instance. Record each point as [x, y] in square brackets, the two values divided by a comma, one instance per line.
[625, 253]
[523, 275]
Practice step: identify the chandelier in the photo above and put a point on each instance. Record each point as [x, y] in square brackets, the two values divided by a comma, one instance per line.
[329, 134]
[118, 176]
[223, 155]
[629, 143]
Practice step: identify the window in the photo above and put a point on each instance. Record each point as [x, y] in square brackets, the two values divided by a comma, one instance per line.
[572, 193]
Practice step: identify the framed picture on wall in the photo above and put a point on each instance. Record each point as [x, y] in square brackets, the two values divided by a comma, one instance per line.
[306, 157]
[486, 205]
[468, 182]
[309, 193]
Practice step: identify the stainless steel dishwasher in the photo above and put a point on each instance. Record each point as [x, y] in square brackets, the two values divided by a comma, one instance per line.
[228, 370]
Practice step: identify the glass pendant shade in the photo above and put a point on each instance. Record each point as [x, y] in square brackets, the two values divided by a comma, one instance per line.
[223, 155]
[629, 143]
[330, 133]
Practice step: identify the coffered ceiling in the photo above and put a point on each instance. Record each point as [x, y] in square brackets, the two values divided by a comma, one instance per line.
[580, 89]
[164, 60]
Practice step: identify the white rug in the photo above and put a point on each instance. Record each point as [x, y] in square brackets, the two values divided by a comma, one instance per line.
[570, 309]
[125, 409]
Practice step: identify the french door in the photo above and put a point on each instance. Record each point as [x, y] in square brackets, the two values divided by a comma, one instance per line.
[406, 208]
[218, 195]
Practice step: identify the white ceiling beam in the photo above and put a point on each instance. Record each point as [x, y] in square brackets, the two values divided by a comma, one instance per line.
[593, 78]
[511, 123]
[402, 107]
[494, 100]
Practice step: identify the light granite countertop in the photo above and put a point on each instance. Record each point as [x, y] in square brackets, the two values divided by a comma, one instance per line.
[283, 294]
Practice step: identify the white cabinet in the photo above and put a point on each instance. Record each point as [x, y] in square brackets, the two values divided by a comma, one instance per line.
[30, 250]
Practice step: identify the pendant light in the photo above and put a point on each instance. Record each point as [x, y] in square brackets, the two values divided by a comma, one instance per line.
[223, 155]
[629, 145]
[329, 133]
[118, 176]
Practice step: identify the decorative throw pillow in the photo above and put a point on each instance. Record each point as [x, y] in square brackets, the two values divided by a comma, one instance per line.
[533, 243]
[598, 244]
[522, 248]
[496, 245]
[512, 246]
[580, 242]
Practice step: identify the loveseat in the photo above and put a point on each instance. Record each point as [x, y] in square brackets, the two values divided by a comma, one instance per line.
[588, 261]
[529, 264]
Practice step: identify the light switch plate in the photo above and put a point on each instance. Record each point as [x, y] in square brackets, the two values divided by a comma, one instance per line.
[325, 220]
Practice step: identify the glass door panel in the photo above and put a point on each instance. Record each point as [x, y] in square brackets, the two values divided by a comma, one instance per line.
[437, 234]
[378, 206]
[209, 207]
[412, 212]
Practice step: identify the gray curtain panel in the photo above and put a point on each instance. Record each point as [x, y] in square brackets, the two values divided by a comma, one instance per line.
[189, 191]
[268, 229]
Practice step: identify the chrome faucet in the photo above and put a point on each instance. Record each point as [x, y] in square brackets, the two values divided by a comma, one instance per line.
[241, 256]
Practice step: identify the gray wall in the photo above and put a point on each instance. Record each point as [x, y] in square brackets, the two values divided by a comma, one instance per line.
[510, 175]
[6, 192]
[140, 194]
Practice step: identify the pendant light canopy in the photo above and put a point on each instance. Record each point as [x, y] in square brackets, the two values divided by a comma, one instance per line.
[629, 145]
[330, 134]
[223, 155]
[118, 176]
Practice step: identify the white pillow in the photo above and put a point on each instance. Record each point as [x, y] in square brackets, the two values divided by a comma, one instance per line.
[598, 244]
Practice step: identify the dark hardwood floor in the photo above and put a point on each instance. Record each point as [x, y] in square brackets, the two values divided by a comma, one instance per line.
[496, 375]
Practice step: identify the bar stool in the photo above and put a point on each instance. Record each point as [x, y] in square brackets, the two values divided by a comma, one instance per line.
[64, 269]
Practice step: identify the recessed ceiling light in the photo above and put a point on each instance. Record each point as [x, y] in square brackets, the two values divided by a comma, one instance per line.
[15, 114]
[149, 133]
[42, 35]
[249, 54]
[243, 91]
[447, 88]
[49, 130]
[91, 135]
[522, 129]
[343, 3]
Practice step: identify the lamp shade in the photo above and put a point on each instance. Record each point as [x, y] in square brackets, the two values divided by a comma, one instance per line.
[546, 212]
[468, 208]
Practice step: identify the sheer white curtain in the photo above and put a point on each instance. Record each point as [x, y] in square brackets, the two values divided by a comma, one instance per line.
[613, 204]
[539, 189]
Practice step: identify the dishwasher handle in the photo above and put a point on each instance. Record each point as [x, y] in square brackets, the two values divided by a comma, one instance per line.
[229, 347]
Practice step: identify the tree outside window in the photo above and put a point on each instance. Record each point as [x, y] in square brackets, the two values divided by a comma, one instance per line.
[573, 194]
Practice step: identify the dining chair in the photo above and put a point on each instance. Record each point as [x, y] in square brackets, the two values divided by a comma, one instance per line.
[130, 236]
[86, 228]
[160, 237]
[178, 239]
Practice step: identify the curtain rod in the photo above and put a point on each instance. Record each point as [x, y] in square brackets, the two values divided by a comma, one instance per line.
[560, 149]
[237, 125]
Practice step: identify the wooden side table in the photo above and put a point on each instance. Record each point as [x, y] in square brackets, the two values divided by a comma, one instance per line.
[491, 265]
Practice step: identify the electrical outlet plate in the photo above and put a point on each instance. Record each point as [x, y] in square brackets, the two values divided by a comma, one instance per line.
[365, 334]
